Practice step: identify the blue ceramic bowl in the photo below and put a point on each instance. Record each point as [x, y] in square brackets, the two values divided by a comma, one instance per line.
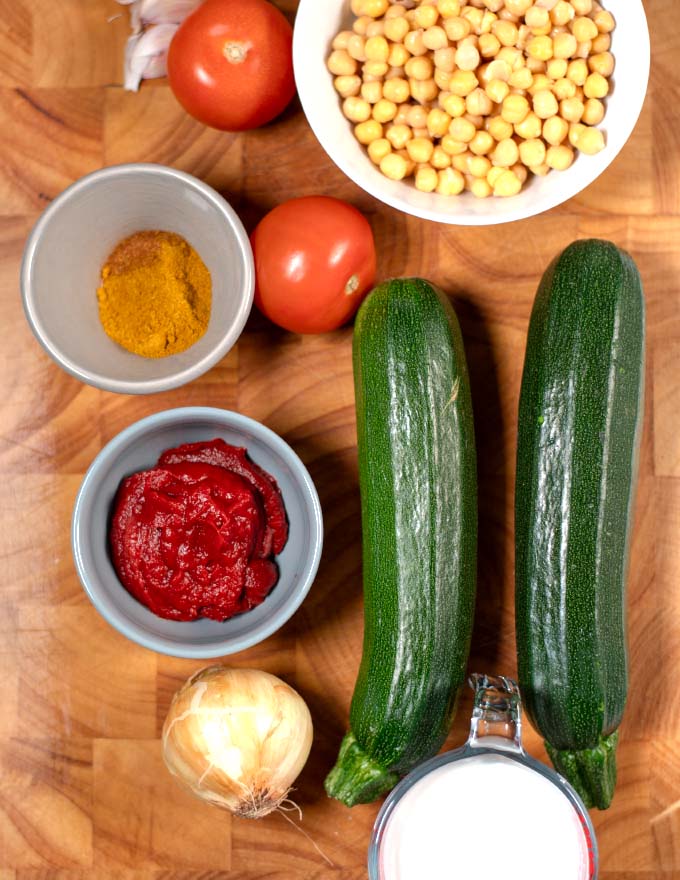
[138, 448]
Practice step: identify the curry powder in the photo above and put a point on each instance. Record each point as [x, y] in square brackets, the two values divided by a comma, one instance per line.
[156, 294]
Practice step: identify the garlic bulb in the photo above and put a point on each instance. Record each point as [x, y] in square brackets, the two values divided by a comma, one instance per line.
[146, 55]
[153, 24]
[237, 738]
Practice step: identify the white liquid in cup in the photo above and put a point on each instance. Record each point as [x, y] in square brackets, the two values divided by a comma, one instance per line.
[483, 817]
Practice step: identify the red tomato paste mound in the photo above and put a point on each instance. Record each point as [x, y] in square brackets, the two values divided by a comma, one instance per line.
[194, 536]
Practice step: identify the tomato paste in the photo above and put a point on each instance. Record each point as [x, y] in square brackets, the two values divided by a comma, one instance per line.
[195, 535]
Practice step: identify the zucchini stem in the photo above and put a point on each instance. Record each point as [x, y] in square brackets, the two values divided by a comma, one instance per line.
[356, 777]
[592, 772]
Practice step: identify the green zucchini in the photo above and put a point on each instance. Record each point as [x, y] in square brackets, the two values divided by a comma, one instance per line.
[580, 417]
[417, 476]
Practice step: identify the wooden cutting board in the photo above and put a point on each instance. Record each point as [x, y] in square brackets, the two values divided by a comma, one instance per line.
[83, 792]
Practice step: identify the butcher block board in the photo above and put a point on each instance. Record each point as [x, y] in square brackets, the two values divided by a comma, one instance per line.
[83, 791]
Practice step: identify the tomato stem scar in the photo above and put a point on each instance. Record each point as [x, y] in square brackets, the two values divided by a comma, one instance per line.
[235, 52]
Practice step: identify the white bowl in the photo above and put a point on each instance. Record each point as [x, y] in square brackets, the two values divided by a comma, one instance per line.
[74, 236]
[317, 23]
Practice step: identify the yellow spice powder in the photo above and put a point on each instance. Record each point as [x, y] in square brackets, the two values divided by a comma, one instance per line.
[156, 294]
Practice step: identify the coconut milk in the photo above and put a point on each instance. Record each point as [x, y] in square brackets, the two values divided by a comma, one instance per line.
[483, 817]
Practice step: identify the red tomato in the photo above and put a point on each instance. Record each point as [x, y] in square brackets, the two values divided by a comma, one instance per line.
[314, 263]
[230, 64]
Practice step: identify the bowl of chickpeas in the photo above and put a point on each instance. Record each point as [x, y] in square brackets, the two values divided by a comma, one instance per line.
[472, 112]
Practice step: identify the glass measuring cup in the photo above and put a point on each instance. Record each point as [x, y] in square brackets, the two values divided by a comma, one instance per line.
[500, 771]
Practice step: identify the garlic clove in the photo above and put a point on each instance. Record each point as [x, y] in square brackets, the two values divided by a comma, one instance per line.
[145, 12]
[166, 11]
[146, 55]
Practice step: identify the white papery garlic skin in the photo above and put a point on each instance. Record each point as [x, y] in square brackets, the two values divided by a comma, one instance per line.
[237, 738]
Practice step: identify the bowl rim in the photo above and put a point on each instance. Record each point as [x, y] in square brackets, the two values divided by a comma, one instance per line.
[509, 215]
[164, 644]
[141, 386]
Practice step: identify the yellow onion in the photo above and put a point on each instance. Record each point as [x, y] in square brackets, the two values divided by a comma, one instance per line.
[237, 738]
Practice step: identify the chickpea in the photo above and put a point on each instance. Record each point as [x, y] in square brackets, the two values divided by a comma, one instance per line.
[394, 166]
[518, 7]
[456, 28]
[562, 13]
[520, 172]
[545, 104]
[396, 90]
[442, 79]
[435, 38]
[438, 123]
[440, 158]
[384, 111]
[375, 8]
[448, 8]
[342, 39]
[514, 108]
[419, 68]
[604, 21]
[341, 63]
[445, 59]
[482, 143]
[582, 7]
[356, 109]
[559, 158]
[396, 28]
[374, 70]
[498, 69]
[535, 65]
[399, 55]
[377, 150]
[454, 105]
[556, 68]
[576, 129]
[564, 46]
[507, 184]
[451, 182]
[369, 131]
[426, 16]
[555, 130]
[463, 82]
[584, 29]
[497, 90]
[577, 71]
[505, 32]
[478, 103]
[563, 89]
[453, 147]
[356, 47]
[540, 48]
[375, 29]
[420, 150]
[347, 86]
[426, 179]
[498, 128]
[596, 86]
[601, 43]
[413, 41]
[489, 46]
[591, 141]
[479, 166]
[530, 127]
[506, 153]
[532, 152]
[460, 162]
[521, 79]
[481, 189]
[398, 136]
[467, 58]
[593, 112]
[417, 116]
[602, 63]
[423, 91]
[462, 130]
[537, 18]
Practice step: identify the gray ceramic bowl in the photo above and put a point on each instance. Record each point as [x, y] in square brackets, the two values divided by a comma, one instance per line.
[71, 241]
[137, 448]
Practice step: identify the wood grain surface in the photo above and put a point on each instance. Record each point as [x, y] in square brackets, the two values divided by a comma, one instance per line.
[83, 792]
